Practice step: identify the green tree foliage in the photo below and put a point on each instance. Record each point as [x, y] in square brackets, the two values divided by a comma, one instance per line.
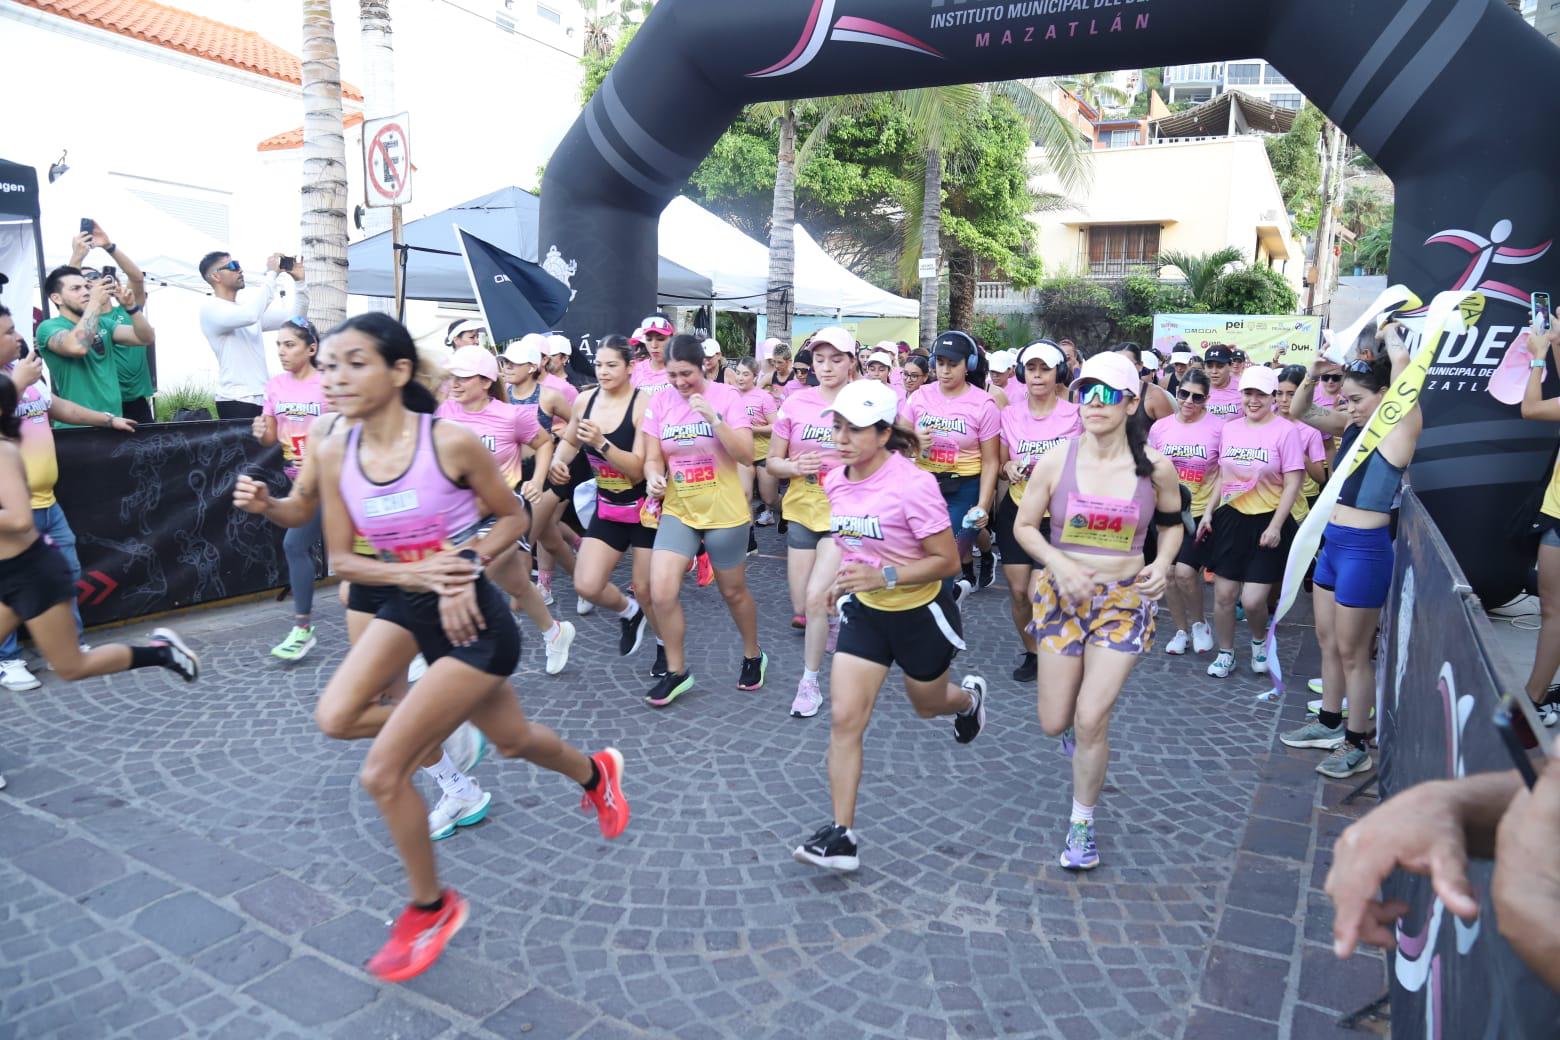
[1373, 249]
[1252, 290]
[597, 66]
[1297, 165]
[1143, 296]
[1201, 270]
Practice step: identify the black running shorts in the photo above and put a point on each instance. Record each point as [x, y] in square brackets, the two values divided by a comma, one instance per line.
[497, 647]
[922, 642]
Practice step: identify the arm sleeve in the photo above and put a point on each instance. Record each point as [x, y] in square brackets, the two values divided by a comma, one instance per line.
[221, 316]
[277, 312]
[1290, 456]
[651, 424]
[269, 406]
[782, 427]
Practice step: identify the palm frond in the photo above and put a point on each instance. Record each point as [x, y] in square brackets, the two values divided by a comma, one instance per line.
[1048, 128]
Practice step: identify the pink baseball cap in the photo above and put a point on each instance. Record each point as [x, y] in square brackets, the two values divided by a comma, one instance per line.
[657, 325]
[1263, 380]
[473, 361]
[836, 337]
[1114, 370]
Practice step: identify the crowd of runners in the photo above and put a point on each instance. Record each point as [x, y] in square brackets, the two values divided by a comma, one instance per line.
[448, 493]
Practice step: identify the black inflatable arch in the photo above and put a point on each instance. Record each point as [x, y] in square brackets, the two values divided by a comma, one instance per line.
[1455, 99]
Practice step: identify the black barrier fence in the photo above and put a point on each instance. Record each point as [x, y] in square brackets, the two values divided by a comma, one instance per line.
[154, 518]
[1438, 682]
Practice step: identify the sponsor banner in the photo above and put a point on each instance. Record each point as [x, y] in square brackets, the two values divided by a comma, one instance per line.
[1437, 685]
[153, 513]
[1292, 339]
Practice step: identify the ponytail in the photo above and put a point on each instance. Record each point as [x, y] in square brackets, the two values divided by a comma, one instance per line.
[1137, 440]
[418, 398]
[901, 439]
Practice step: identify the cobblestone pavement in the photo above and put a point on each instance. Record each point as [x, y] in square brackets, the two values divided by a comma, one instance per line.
[198, 861]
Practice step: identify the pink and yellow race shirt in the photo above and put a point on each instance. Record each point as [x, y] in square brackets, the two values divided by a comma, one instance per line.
[1253, 461]
[803, 426]
[957, 427]
[1193, 449]
[703, 489]
[503, 429]
[882, 520]
[295, 404]
[1026, 439]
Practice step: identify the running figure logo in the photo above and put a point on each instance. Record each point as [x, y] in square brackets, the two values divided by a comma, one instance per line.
[822, 26]
[1486, 252]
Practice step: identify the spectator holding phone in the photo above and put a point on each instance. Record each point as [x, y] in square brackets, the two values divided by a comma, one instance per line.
[234, 327]
[35, 407]
[132, 364]
[77, 342]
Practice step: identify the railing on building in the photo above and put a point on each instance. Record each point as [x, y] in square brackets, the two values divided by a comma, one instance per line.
[1207, 72]
[1108, 269]
[999, 297]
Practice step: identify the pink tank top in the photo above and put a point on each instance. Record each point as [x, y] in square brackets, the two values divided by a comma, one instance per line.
[1096, 525]
[417, 514]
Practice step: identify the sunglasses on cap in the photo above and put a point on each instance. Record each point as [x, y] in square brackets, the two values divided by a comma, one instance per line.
[305, 326]
[1099, 393]
[1187, 395]
[1359, 368]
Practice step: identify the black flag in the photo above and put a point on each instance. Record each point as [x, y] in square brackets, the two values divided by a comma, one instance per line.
[516, 296]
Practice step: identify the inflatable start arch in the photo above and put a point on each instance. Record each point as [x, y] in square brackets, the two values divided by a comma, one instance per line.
[1455, 100]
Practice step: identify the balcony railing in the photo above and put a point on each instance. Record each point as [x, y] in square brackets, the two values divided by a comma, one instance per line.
[1115, 269]
[1202, 73]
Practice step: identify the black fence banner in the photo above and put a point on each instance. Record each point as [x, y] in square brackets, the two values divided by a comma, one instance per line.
[1437, 684]
[154, 519]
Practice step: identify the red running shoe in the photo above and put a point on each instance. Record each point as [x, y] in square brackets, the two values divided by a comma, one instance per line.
[706, 570]
[417, 938]
[607, 799]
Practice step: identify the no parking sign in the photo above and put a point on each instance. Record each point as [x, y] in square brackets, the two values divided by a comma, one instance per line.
[387, 161]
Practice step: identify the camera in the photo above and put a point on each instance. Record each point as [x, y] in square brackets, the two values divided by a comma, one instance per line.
[287, 263]
[111, 272]
[87, 225]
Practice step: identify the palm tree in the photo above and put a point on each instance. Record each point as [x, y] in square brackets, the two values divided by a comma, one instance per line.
[324, 168]
[1362, 208]
[1097, 89]
[378, 83]
[1202, 270]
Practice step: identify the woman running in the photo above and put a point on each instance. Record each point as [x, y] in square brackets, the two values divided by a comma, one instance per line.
[1037, 422]
[293, 400]
[897, 550]
[36, 586]
[463, 803]
[959, 426]
[1190, 440]
[692, 440]
[1224, 397]
[417, 489]
[1355, 567]
[604, 425]
[761, 409]
[650, 374]
[555, 543]
[1096, 598]
[803, 451]
[1249, 516]
[505, 430]
[520, 367]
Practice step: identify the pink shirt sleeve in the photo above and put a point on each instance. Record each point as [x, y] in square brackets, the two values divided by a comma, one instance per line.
[782, 429]
[651, 424]
[526, 426]
[926, 511]
[988, 423]
[1311, 441]
[1290, 457]
[269, 408]
[734, 412]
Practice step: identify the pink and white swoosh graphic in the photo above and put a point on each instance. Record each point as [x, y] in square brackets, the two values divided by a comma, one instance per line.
[822, 27]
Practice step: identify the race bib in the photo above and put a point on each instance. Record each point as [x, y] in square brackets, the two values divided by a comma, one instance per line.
[694, 475]
[1191, 473]
[1100, 523]
[943, 455]
[607, 478]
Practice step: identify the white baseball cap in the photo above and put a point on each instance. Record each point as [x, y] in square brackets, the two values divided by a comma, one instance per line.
[527, 350]
[658, 325]
[1002, 361]
[473, 361]
[463, 328]
[1043, 349]
[882, 357]
[1180, 357]
[836, 337]
[865, 403]
[711, 348]
[557, 344]
[1262, 380]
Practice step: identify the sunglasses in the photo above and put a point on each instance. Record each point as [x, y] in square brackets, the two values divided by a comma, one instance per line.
[1187, 395]
[305, 326]
[1099, 393]
[1358, 368]
[231, 265]
[800, 368]
[1332, 377]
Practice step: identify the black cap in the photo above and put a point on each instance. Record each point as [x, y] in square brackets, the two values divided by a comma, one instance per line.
[955, 346]
[1240, 355]
[1218, 355]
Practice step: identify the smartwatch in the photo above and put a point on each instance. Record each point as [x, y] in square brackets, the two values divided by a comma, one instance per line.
[1537, 364]
[890, 577]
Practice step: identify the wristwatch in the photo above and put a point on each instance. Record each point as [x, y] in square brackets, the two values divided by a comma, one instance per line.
[890, 577]
[109, 249]
[1537, 364]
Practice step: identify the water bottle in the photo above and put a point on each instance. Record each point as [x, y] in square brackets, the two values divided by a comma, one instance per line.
[973, 518]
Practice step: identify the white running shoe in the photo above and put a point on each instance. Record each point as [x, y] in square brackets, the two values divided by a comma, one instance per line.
[15, 677]
[1202, 637]
[584, 607]
[558, 648]
[1178, 644]
[765, 517]
[809, 698]
[451, 813]
[416, 670]
[1222, 665]
[1259, 658]
[466, 747]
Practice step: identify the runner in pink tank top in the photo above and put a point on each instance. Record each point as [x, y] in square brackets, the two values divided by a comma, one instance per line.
[417, 490]
[1095, 601]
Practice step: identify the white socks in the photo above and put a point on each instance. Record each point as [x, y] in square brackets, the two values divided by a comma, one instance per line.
[629, 611]
[806, 675]
[452, 781]
[553, 633]
[1084, 813]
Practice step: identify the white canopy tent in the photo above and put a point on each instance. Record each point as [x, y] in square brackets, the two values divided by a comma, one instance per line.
[738, 267]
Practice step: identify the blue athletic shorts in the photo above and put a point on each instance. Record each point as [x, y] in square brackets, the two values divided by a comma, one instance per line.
[1356, 566]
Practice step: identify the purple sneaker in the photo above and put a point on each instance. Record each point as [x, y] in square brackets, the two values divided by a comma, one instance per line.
[1080, 852]
[809, 698]
[1069, 742]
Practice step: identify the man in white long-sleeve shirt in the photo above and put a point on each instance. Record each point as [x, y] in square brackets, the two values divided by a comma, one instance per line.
[234, 327]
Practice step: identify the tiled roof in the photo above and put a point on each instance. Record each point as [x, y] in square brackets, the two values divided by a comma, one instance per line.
[187, 33]
[294, 138]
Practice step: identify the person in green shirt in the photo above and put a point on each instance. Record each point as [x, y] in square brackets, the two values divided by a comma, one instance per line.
[133, 364]
[76, 345]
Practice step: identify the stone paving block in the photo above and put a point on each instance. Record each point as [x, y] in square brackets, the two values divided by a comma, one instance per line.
[1245, 982]
[1264, 885]
[73, 866]
[24, 831]
[1337, 985]
[131, 892]
[201, 863]
[1277, 838]
[352, 937]
[287, 905]
[1212, 1024]
[186, 923]
[1260, 931]
[243, 958]
[469, 985]
[390, 1017]
[311, 992]
[74, 803]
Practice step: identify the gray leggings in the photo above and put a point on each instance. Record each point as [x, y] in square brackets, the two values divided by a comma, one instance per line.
[298, 543]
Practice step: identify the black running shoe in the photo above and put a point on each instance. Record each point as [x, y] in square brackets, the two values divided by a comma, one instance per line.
[668, 689]
[658, 670]
[968, 724]
[988, 570]
[632, 632]
[752, 543]
[753, 671]
[783, 526]
[967, 572]
[181, 659]
[1028, 669]
[830, 848]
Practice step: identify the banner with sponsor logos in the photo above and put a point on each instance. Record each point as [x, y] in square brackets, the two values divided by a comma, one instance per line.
[153, 513]
[1437, 683]
[1292, 339]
